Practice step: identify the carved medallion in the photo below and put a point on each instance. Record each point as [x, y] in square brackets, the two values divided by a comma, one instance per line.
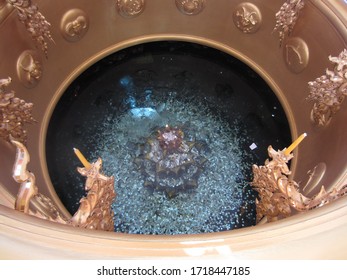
[130, 8]
[74, 25]
[190, 7]
[296, 54]
[247, 17]
[29, 68]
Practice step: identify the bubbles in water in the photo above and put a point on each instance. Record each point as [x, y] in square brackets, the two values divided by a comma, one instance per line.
[212, 206]
[117, 104]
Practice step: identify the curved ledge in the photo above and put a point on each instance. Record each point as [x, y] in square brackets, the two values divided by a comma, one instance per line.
[285, 239]
[336, 11]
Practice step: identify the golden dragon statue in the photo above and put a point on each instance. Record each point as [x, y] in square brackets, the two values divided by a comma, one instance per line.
[94, 212]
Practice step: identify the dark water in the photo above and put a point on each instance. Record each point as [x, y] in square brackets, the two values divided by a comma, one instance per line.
[118, 103]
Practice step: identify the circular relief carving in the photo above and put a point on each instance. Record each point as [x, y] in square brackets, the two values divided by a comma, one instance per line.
[45, 207]
[296, 54]
[247, 17]
[130, 8]
[74, 25]
[190, 7]
[29, 68]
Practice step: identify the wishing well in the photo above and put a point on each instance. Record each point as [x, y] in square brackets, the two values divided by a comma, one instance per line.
[182, 115]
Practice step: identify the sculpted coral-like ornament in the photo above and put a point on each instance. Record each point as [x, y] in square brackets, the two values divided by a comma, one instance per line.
[34, 21]
[14, 114]
[287, 17]
[329, 91]
[169, 163]
[278, 195]
[95, 211]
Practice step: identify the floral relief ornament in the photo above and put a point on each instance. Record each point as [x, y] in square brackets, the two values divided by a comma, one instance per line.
[35, 23]
[287, 17]
[14, 114]
[190, 7]
[329, 91]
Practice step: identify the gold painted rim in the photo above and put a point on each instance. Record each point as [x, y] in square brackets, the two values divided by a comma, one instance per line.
[64, 241]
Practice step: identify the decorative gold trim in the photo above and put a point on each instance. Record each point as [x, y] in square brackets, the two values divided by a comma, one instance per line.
[130, 8]
[35, 23]
[329, 91]
[287, 17]
[14, 114]
[190, 7]
[278, 195]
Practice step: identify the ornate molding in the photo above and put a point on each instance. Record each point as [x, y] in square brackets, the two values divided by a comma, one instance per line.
[74, 25]
[130, 8]
[190, 7]
[28, 191]
[29, 68]
[35, 23]
[287, 17]
[14, 114]
[278, 195]
[329, 91]
[247, 17]
[95, 211]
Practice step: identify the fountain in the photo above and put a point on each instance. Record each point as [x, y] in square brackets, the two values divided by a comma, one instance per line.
[236, 78]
